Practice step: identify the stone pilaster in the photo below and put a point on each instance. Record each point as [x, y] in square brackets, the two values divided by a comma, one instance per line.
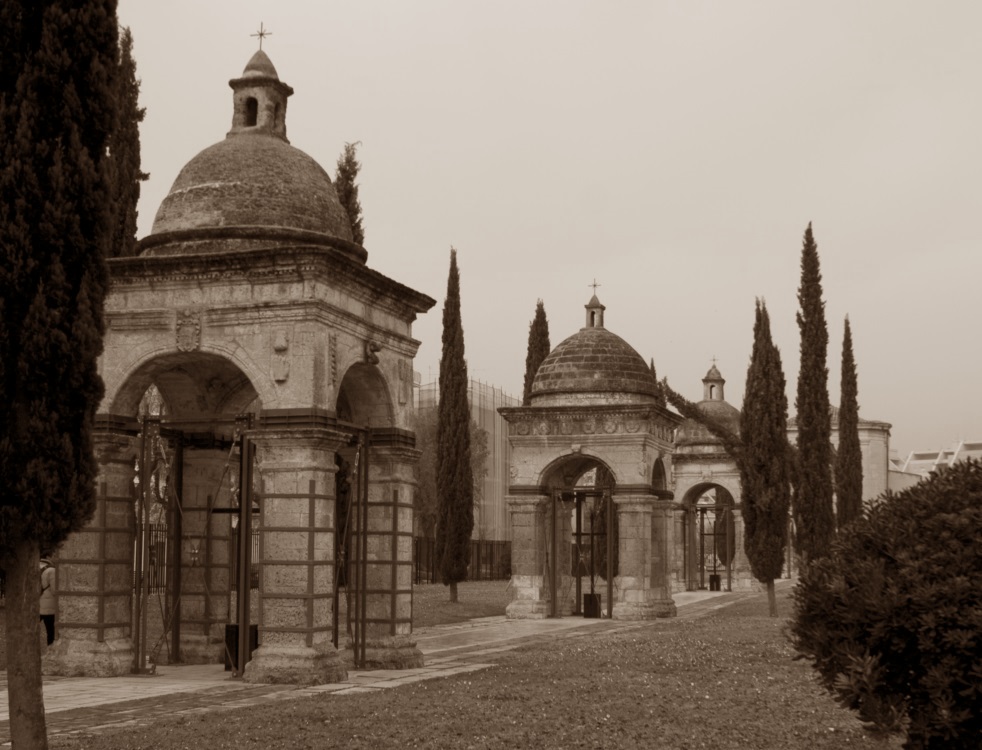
[642, 589]
[528, 562]
[95, 574]
[297, 470]
[389, 561]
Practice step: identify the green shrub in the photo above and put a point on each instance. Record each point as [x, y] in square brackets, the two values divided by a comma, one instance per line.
[892, 619]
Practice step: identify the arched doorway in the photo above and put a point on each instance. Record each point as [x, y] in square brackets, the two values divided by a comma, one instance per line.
[581, 539]
[709, 537]
[196, 535]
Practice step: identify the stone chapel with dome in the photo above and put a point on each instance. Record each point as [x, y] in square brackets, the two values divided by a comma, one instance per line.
[282, 363]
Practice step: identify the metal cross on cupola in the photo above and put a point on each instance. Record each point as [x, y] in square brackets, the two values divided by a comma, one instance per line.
[262, 34]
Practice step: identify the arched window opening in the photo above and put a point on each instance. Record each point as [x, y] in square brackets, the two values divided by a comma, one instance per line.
[252, 111]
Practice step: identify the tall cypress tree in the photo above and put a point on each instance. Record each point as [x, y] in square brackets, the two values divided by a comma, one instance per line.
[765, 471]
[538, 349]
[454, 478]
[814, 514]
[347, 189]
[849, 458]
[124, 152]
[58, 60]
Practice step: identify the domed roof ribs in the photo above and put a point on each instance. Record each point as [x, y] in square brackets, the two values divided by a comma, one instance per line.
[259, 99]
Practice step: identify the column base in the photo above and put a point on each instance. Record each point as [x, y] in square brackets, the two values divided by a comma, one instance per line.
[73, 657]
[391, 652]
[644, 610]
[295, 665]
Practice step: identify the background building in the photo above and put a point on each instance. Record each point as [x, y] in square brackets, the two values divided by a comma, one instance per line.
[491, 515]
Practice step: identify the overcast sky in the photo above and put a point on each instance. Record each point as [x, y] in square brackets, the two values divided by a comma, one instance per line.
[673, 151]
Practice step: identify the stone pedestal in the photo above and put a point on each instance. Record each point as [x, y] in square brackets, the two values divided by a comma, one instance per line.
[95, 574]
[297, 467]
[528, 562]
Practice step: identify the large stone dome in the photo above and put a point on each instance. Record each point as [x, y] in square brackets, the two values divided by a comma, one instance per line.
[252, 189]
[253, 179]
[593, 366]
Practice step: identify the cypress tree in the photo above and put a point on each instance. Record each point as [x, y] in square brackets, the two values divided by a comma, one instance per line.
[58, 61]
[538, 349]
[814, 514]
[347, 189]
[849, 458]
[454, 478]
[660, 392]
[765, 464]
[124, 152]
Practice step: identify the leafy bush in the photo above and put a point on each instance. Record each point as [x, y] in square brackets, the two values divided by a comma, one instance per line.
[892, 619]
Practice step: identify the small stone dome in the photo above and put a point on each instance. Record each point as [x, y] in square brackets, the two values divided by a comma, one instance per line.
[593, 366]
[715, 408]
[252, 189]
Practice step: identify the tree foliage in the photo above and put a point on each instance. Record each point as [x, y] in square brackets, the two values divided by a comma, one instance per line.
[538, 349]
[813, 510]
[124, 152]
[347, 189]
[765, 460]
[454, 480]
[890, 619]
[849, 457]
[58, 62]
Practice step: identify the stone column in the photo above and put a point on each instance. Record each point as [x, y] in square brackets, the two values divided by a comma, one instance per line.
[642, 589]
[389, 561]
[662, 542]
[95, 573]
[528, 559]
[297, 471]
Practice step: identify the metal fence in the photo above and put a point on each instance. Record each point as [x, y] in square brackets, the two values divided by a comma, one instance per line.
[489, 561]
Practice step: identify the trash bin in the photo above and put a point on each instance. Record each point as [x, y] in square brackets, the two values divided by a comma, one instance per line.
[591, 605]
[232, 645]
[714, 582]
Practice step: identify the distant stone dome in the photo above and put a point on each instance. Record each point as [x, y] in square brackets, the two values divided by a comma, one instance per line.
[713, 406]
[252, 189]
[593, 366]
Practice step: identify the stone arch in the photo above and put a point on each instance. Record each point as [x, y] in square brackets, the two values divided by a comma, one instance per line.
[364, 397]
[565, 471]
[659, 476]
[214, 365]
[190, 383]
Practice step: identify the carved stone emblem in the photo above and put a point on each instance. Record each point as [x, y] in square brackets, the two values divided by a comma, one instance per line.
[188, 331]
[372, 348]
[281, 360]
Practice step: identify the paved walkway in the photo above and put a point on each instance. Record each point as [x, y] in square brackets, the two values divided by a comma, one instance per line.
[90, 703]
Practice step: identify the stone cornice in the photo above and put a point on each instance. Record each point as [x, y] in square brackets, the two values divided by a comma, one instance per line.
[324, 263]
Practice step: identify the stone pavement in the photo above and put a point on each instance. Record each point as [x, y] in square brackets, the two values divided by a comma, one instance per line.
[76, 704]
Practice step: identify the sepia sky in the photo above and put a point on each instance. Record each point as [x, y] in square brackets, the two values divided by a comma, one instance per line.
[673, 151]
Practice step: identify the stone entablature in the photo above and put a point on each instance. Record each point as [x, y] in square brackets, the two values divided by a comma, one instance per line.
[613, 420]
